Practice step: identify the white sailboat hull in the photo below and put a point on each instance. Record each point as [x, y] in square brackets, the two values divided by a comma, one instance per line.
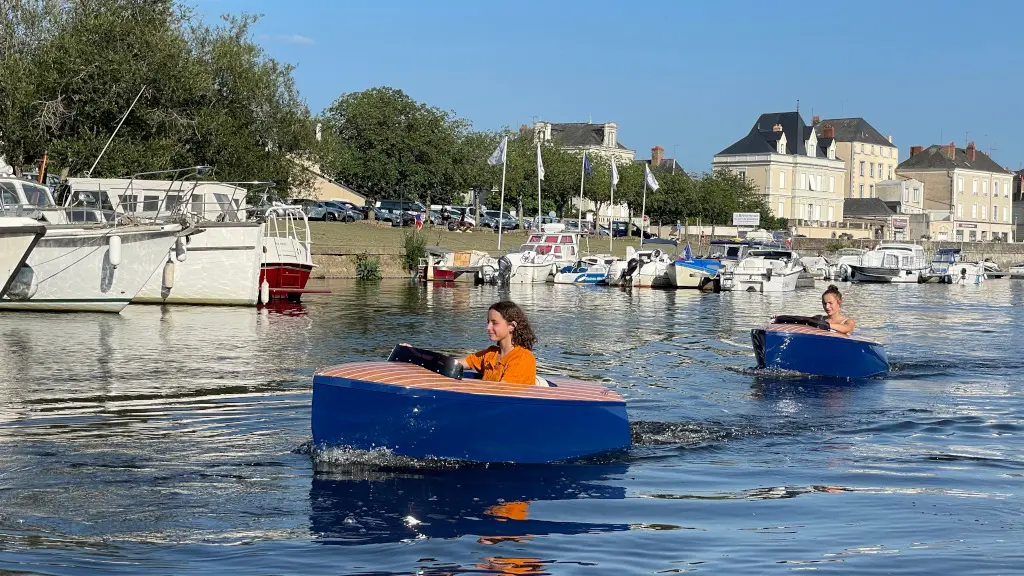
[221, 267]
[18, 236]
[73, 271]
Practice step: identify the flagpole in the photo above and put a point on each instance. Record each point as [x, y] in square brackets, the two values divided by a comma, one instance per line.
[611, 219]
[643, 208]
[538, 187]
[579, 212]
[501, 205]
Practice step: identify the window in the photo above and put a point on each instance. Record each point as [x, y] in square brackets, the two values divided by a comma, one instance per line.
[831, 213]
[871, 166]
[197, 203]
[890, 171]
[974, 211]
[782, 180]
[984, 235]
[995, 189]
[906, 196]
[810, 183]
[831, 184]
[872, 149]
[862, 188]
[817, 212]
[1006, 214]
[781, 212]
[984, 212]
[171, 202]
[959, 235]
[917, 194]
[995, 213]
[872, 191]
[861, 166]
[974, 187]
[959, 210]
[743, 174]
[984, 188]
[8, 194]
[861, 151]
[36, 195]
[150, 203]
[972, 235]
[803, 181]
[128, 202]
[960, 184]
[817, 182]
[1006, 190]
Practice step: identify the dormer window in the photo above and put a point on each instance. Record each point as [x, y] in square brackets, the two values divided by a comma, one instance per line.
[832, 150]
[812, 145]
[781, 145]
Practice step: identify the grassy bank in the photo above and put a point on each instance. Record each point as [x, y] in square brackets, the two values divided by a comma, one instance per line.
[341, 239]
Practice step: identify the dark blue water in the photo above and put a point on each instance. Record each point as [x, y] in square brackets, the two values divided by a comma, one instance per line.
[175, 440]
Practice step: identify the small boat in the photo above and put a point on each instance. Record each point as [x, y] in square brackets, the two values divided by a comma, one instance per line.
[588, 270]
[419, 404]
[287, 260]
[891, 262]
[949, 267]
[765, 270]
[462, 266]
[839, 265]
[806, 344]
[1016, 271]
[699, 273]
[540, 257]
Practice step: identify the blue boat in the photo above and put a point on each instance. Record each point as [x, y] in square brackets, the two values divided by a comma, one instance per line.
[805, 344]
[420, 405]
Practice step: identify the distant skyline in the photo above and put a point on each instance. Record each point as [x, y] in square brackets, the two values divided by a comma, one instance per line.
[691, 77]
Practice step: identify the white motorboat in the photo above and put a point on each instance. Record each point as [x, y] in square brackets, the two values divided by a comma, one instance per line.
[1016, 271]
[891, 262]
[93, 268]
[18, 236]
[97, 265]
[817, 266]
[765, 270]
[647, 268]
[588, 270]
[839, 265]
[540, 257]
[223, 264]
[949, 267]
[287, 258]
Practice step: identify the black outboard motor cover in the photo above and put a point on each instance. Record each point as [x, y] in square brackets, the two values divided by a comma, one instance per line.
[757, 338]
[443, 364]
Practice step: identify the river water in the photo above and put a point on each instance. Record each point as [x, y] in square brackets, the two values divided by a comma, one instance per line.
[176, 440]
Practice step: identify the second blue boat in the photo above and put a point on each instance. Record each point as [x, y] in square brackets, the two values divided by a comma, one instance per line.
[805, 344]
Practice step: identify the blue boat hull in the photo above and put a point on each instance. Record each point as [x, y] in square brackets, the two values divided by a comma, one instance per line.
[819, 354]
[427, 423]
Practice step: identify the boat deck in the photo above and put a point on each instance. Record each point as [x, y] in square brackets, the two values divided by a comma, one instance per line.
[802, 329]
[410, 376]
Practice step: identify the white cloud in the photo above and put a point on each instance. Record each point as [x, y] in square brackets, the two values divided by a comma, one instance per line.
[295, 39]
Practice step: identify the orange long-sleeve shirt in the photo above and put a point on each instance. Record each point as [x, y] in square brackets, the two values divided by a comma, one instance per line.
[517, 367]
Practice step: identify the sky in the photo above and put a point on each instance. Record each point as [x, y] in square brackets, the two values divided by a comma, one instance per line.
[691, 76]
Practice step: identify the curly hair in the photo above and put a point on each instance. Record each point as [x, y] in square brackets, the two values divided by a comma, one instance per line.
[832, 290]
[522, 335]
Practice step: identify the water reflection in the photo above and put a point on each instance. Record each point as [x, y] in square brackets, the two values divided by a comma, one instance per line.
[359, 506]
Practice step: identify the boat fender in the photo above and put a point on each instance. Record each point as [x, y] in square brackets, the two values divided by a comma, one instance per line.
[168, 279]
[25, 284]
[180, 249]
[818, 322]
[114, 250]
[265, 292]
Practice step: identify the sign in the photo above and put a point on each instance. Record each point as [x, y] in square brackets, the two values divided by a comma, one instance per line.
[965, 225]
[746, 218]
[899, 223]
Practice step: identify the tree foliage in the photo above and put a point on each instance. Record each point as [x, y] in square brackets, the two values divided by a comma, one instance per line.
[209, 95]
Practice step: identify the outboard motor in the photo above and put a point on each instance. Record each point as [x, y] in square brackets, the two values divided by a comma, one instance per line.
[631, 267]
[504, 270]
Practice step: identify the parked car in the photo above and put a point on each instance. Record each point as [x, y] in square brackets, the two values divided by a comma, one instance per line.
[362, 210]
[319, 210]
[349, 213]
[508, 222]
[620, 231]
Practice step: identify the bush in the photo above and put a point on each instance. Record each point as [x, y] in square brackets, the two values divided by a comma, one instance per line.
[415, 248]
[367, 267]
[834, 246]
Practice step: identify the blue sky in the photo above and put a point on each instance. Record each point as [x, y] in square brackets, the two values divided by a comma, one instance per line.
[690, 76]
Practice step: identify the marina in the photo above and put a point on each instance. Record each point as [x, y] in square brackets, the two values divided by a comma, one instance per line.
[122, 456]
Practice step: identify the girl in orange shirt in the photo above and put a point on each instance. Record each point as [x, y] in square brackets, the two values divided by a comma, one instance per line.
[510, 360]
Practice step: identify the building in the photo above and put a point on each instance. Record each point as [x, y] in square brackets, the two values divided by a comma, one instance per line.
[798, 172]
[659, 162]
[969, 185]
[870, 157]
[1018, 205]
[909, 192]
[599, 139]
[323, 188]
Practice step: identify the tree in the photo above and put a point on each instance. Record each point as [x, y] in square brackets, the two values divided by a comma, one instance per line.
[211, 95]
[388, 144]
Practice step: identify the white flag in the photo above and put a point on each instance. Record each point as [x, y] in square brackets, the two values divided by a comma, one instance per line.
[540, 164]
[649, 176]
[499, 153]
[615, 173]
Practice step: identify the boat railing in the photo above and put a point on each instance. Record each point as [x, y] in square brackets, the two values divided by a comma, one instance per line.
[288, 222]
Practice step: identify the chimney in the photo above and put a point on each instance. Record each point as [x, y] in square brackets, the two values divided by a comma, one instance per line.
[611, 139]
[951, 151]
[657, 155]
[777, 128]
[916, 150]
[828, 132]
[523, 128]
[971, 151]
[815, 120]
